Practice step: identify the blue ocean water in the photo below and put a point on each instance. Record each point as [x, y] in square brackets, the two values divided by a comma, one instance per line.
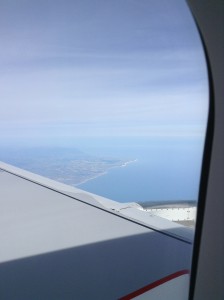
[164, 171]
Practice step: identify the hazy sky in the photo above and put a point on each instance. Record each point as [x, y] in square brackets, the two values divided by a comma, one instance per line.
[100, 68]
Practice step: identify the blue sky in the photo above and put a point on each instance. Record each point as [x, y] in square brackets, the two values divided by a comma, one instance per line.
[100, 68]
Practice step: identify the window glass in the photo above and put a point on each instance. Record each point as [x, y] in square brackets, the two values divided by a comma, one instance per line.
[107, 96]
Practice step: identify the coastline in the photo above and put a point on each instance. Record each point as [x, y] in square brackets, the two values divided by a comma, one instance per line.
[129, 162]
[105, 172]
[88, 179]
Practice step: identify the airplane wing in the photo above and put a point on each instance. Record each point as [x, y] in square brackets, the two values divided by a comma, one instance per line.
[59, 242]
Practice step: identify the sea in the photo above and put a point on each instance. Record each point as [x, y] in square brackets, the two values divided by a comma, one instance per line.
[158, 169]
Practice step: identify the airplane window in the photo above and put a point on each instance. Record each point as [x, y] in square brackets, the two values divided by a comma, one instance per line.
[107, 96]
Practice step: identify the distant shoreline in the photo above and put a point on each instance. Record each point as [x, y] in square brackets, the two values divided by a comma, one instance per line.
[106, 172]
[129, 162]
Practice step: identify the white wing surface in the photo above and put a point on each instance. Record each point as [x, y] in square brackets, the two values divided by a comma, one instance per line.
[58, 242]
